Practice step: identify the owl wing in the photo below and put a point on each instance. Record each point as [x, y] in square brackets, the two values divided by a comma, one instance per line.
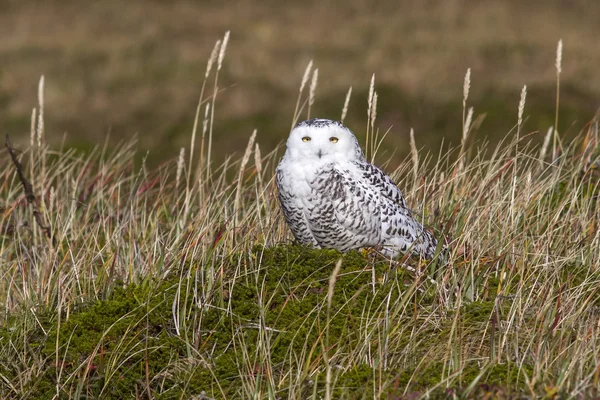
[355, 205]
[384, 184]
[398, 222]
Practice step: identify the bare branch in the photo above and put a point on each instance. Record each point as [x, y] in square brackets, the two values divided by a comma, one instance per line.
[29, 195]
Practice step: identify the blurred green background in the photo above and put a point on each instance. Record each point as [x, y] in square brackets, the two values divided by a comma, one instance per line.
[122, 68]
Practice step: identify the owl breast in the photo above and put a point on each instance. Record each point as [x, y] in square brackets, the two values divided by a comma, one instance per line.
[327, 207]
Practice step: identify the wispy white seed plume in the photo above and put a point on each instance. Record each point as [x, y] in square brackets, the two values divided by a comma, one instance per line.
[558, 65]
[244, 161]
[373, 110]
[41, 91]
[466, 86]
[414, 154]
[369, 111]
[306, 75]
[222, 51]
[248, 152]
[213, 57]
[346, 103]
[465, 136]
[313, 87]
[522, 106]
[33, 118]
[73, 207]
[257, 159]
[259, 168]
[205, 121]
[332, 281]
[545, 145]
[468, 123]
[371, 91]
[528, 182]
[204, 130]
[302, 85]
[513, 190]
[52, 199]
[559, 49]
[180, 162]
[40, 124]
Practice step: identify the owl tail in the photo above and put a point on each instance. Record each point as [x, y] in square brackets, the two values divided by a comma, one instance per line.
[427, 246]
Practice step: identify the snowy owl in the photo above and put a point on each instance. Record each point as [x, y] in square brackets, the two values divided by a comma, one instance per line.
[331, 197]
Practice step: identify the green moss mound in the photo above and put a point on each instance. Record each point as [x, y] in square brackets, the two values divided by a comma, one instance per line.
[179, 337]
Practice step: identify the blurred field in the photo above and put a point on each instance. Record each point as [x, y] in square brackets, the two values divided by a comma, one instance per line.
[125, 68]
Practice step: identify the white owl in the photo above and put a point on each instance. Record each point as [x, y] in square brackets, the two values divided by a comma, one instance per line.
[332, 197]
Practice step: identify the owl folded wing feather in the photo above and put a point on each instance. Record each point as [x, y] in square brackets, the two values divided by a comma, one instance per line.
[355, 204]
[384, 184]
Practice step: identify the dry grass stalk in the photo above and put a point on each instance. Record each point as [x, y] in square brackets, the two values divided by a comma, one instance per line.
[222, 49]
[465, 119]
[346, 103]
[369, 110]
[28, 190]
[213, 57]
[415, 158]
[40, 122]
[373, 132]
[180, 162]
[558, 65]
[312, 91]
[468, 121]
[464, 139]
[544, 149]
[32, 142]
[302, 85]
[466, 89]
[244, 161]
[205, 122]
[521, 109]
[330, 289]
[216, 51]
[260, 186]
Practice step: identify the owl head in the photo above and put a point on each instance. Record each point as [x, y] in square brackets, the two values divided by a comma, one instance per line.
[323, 140]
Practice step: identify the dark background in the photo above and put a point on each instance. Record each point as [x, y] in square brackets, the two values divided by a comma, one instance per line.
[122, 68]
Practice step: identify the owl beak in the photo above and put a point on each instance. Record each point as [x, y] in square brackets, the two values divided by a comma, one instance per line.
[320, 153]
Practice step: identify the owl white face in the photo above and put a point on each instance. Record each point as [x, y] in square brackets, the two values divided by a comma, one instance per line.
[324, 141]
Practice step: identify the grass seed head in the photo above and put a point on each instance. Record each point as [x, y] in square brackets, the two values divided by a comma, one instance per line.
[40, 122]
[222, 50]
[306, 75]
[212, 58]
[467, 85]
[346, 103]
[313, 86]
[558, 64]
[522, 105]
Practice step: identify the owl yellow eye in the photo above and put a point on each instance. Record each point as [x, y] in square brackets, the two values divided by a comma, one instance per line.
[306, 139]
[333, 139]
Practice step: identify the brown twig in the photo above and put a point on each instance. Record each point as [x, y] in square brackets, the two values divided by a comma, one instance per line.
[29, 195]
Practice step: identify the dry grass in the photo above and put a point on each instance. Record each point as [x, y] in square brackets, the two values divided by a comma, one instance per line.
[523, 229]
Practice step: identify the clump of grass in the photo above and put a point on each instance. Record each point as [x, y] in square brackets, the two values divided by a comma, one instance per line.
[146, 290]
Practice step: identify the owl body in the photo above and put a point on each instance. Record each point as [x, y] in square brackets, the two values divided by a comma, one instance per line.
[331, 197]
